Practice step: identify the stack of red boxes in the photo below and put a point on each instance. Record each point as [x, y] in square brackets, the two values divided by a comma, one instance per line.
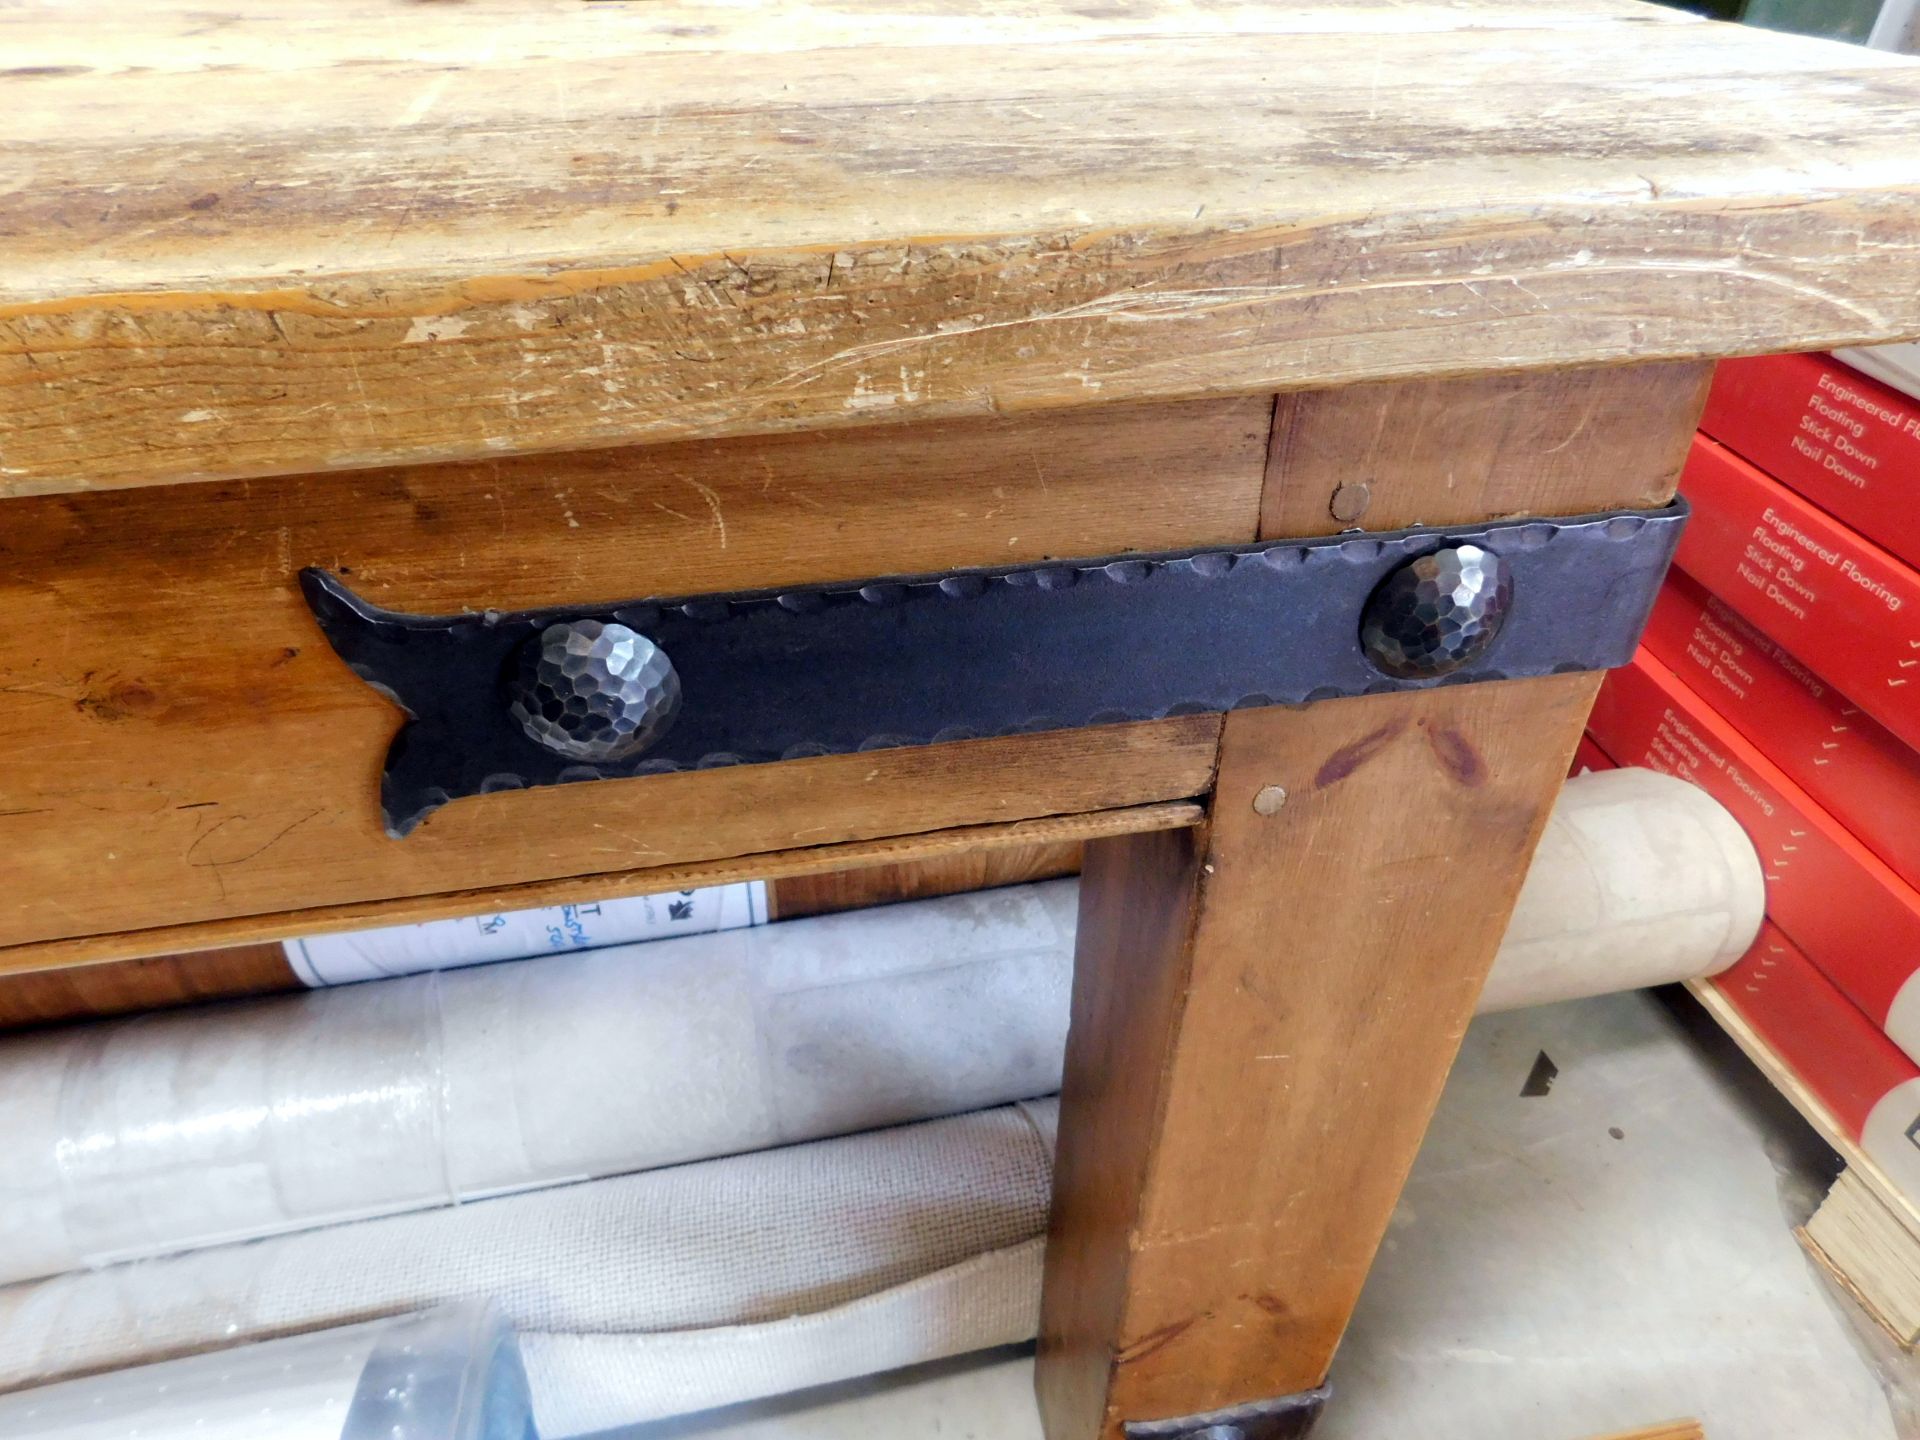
[1781, 673]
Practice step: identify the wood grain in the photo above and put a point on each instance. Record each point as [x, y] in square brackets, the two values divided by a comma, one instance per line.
[1812, 1108]
[1450, 452]
[177, 742]
[330, 34]
[91, 992]
[225, 252]
[1870, 1253]
[1263, 1015]
[833, 890]
[1669, 1430]
[117, 987]
[649, 880]
[1133, 960]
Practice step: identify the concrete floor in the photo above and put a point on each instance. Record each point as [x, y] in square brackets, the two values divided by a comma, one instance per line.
[1611, 1254]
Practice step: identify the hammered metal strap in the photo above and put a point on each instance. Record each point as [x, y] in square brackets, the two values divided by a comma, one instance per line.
[643, 687]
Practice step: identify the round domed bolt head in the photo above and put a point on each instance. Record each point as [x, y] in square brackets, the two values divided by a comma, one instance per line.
[593, 691]
[1436, 613]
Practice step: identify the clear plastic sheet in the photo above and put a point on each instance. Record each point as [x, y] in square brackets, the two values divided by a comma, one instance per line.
[194, 1128]
[450, 1373]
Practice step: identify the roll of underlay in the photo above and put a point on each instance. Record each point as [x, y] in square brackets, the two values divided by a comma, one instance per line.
[197, 1128]
[1640, 879]
[194, 1128]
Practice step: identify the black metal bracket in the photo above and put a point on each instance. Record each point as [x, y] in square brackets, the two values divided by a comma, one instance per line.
[916, 660]
[1289, 1417]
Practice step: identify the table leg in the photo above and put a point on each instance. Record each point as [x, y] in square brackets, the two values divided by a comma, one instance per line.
[1264, 1011]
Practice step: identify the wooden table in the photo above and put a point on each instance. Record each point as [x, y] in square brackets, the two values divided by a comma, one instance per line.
[528, 304]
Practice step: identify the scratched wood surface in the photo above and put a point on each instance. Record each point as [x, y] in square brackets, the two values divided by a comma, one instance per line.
[1264, 1012]
[177, 742]
[281, 750]
[309, 237]
[192, 939]
[1450, 452]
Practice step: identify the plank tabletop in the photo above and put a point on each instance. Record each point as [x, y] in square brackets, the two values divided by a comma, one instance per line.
[307, 235]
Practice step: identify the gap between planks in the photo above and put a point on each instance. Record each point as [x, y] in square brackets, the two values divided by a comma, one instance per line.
[768, 865]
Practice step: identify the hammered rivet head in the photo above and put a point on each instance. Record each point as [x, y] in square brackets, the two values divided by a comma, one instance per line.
[593, 691]
[1436, 613]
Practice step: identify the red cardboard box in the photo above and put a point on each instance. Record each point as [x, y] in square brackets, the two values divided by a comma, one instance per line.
[1845, 441]
[1853, 767]
[1854, 918]
[1846, 608]
[1870, 1088]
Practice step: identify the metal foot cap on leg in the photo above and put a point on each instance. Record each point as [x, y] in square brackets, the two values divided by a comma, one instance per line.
[1289, 1417]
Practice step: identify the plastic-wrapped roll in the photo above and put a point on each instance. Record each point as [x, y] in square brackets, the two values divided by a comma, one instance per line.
[193, 1128]
[356, 955]
[451, 1373]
